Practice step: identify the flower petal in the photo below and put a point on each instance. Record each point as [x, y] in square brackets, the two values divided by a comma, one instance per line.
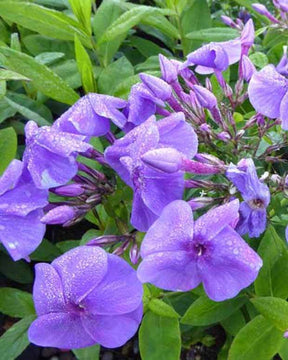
[231, 267]
[284, 112]
[119, 292]
[142, 217]
[11, 176]
[81, 270]
[163, 236]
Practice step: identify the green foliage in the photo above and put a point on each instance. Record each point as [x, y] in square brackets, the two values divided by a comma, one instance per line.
[16, 303]
[8, 147]
[88, 353]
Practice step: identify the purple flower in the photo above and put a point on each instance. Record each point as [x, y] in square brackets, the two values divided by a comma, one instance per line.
[153, 189]
[282, 66]
[268, 94]
[248, 68]
[262, 10]
[91, 115]
[256, 196]
[50, 155]
[21, 206]
[85, 296]
[182, 255]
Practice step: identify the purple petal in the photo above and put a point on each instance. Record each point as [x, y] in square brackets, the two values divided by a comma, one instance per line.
[266, 91]
[167, 160]
[231, 267]
[284, 112]
[175, 132]
[11, 176]
[232, 49]
[21, 235]
[215, 220]
[113, 331]
[61, 330]
[81, 270]
[119, 292]
[141, 217]
[171, 270]
[47, 290]
[163, 237]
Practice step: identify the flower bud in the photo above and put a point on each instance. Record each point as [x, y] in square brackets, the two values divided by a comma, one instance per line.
[247, 37]
[205, 97]
[228, 21]
[205, 128]
[69, 190]
[157, 87]
[224, 136]
[276, 179]
[195, 167]
[134, 253]
[200, 202]
[262, 10]
[60, 215]
[208, 159]
[104, 240]
[165, 159]
[248, 68]
[168, 69]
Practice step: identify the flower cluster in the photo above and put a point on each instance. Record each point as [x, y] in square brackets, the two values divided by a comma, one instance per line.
[164, 150]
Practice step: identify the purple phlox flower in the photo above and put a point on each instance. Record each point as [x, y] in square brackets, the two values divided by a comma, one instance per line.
[262, 10]
[207, 251]
[267, 92]
[91, 115]
[256, 197]
[21, 206]
[282, 4]
[50, 154]
[282, 66]
[153, 189]
[248, 68]
[85, 296]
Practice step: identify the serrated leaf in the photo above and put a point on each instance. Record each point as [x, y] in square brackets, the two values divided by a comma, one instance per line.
[160, 308]
[204, 311]
[273, 309]
[259, 339]
[14, 341]
[213, 34]
[8, 147]
[159, 338]
[16, 303]
[45, 21]
[44, 79]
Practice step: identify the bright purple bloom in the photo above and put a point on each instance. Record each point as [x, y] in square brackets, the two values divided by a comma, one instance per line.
[256, 195]
[91, 115]
[210, 251]
[268, 94]
[153, 189]
[50, 155]
[21, 206]
[85, 296]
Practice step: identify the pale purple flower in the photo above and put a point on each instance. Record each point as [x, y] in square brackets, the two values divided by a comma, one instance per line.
[50, 154]
[21, 206]
[85, 296]
[268, 94]
[179, 254]
[91, 115]
[153, 189]
[256, 195]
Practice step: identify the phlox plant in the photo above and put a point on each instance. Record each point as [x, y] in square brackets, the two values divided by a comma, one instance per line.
[187, 200]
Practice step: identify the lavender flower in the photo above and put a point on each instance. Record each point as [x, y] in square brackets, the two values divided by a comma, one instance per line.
[153, 189]
[21, 206]
[268, 94]
[181, 256]
[282, 66]
[50, 155]
[91, 115]
[256, 196]
[85, 296]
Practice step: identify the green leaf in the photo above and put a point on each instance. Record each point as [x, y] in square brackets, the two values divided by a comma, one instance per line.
[160, 308]
[68, 71]
[213, 34]
[89, 353]
[67, 245]
[127, 20]
[204, 311]
[112, 76]
[82, 10]
[259, 59]
[161, 23]
[8, 147]
[18, 271]
[48, 58]
[45, 21]
[159, 338]
[146, 47]
[85, 67]
[259, 339]
[27, 113]
[44, 79]
[234, 323]
[46, 251]
[270, 280]
[14, 341]
[273, 309]
[16, 303]
[11, 75]
[196, 16]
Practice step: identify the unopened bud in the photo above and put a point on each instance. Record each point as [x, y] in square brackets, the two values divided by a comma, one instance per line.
[276, 179]
[157, 87]
[134, 253]
[239, 134]
[200, 202]
[168, 160]
[224, 136]
[262, 10]
[228, 21]
[248, 68]
[60, 215]
[104, 240]
[208, 159]
[205, 97]
[69, 190]
[168, 69]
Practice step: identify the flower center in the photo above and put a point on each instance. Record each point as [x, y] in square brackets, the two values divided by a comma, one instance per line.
[256, 204]
[137, 177]
[200, 249]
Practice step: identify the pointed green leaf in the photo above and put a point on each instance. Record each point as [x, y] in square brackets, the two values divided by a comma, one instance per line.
[16, 303]
[8, 147]
[160, 308]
